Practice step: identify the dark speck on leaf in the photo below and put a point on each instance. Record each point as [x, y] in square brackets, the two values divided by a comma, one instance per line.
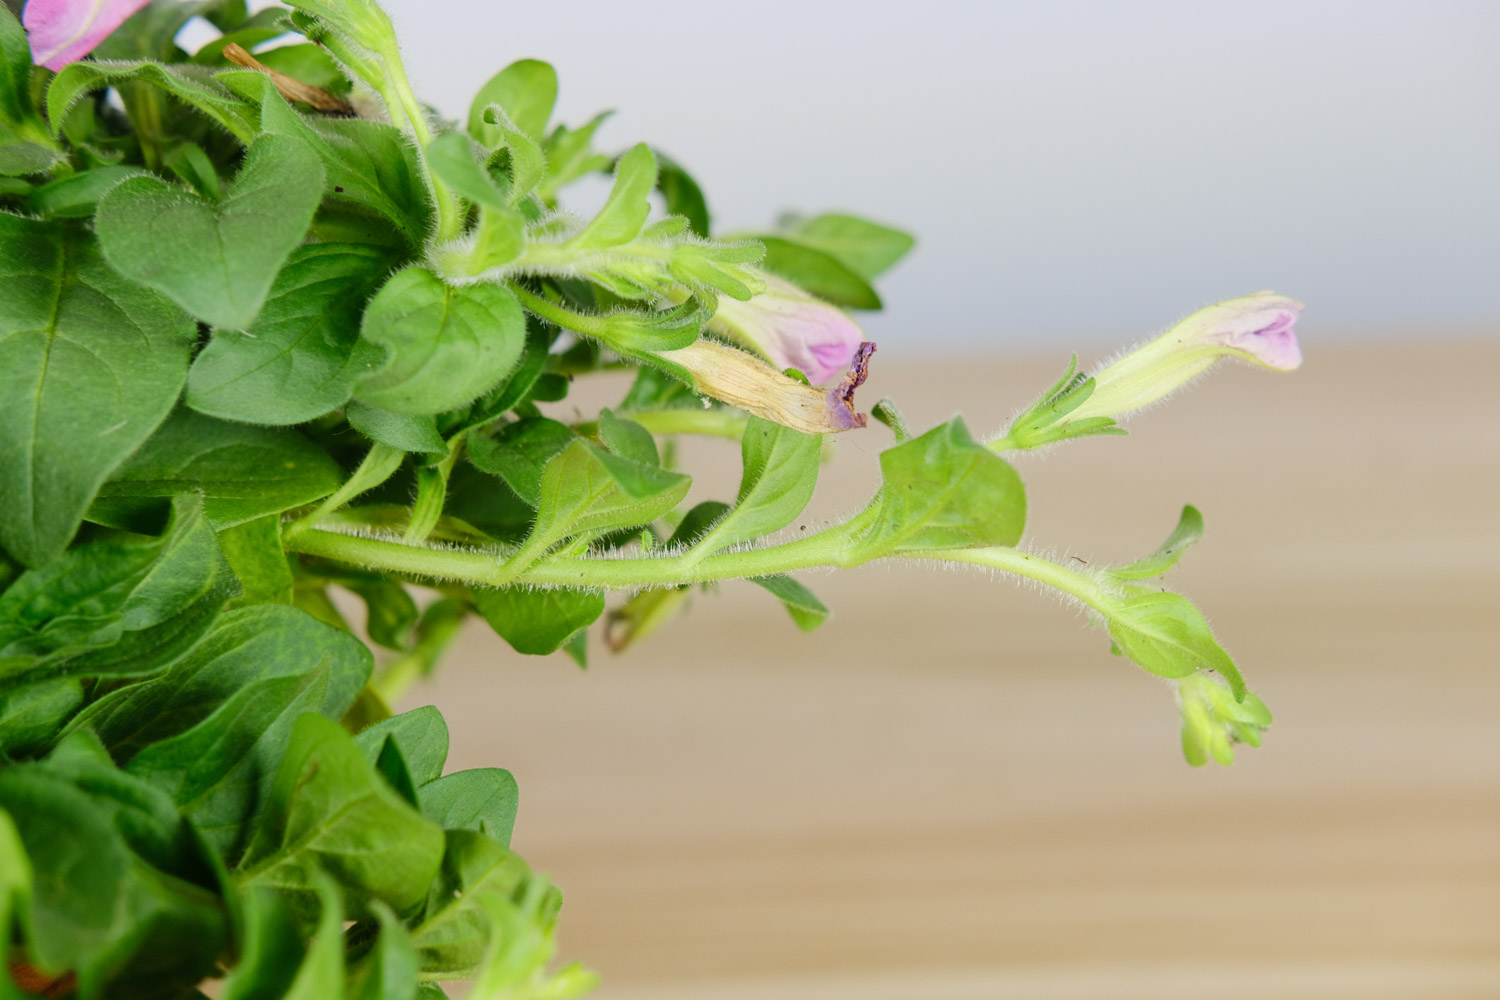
[337, 189]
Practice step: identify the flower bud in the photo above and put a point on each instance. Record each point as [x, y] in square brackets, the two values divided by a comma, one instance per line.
[791, 329]
[1257, 328]
[64, 31]
[1212, 721]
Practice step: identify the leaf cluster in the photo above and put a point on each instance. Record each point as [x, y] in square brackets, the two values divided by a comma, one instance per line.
[279, 413]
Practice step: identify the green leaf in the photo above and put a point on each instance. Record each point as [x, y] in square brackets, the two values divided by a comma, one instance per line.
[587, 491]
[625, 211]
[452, 158]
[454, 931]
[20, 159]
[389, 971]
[392, 767]
[696, 523]
[15, 877]
[517, 387]
[802, 604]
[866, 248]
[264, 642]
[31, 716]
[781, 471]
[309, 63]
[445, 345]
[683, 195]
[1164, 634]
[120, 897]
[519, 453]
[254, 552]
[270, 949]
[77, 196]
[628, 439]
[482, 799]
[321, 976]
[193, 167]
[194, 85]
[219, 770]
[817, 272]
[244, 472]
[366, 163]
[422, 736]
[1188, 531]
[89, 365]
[538, 622]
[218, 261]
[398, 430]
[516, 155]
[390, 612]
[117, 606]
[329, 810]
[301, 356]
[526, 89]
[16, 109]
[570, 156]
[944, 490]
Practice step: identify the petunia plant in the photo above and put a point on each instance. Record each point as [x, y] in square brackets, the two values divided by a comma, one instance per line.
[280, 357]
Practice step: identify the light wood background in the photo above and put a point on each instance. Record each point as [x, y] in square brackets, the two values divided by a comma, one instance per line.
[952, 791]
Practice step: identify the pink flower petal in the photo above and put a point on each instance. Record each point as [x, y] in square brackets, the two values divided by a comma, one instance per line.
[64, 31]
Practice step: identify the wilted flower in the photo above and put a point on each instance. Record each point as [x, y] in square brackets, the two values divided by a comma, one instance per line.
[791, 328]
[1256, 328]
[744, 380]
[64, 31]
[1212, 721]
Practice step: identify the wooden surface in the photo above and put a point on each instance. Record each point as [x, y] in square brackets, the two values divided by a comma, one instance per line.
[953, 792]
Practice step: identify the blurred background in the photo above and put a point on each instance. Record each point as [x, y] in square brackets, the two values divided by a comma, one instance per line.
[1077, 173]
[952, 791]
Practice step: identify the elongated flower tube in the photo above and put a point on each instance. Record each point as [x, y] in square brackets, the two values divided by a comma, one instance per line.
[791, 329]
[1257, 328]
[64, 31]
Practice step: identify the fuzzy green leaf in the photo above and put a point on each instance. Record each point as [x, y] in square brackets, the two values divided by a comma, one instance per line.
[944, 490]
[300, 357]
[1166, 635]
[117, 606]
[445, 346]
[625, 211]
[781, 471]
[866, 248]
[217, 261]
[192, 84]
[330, 810]
[422, 735]
[1188, 531]
[520, 451]
[89, 365]
[817, 272]
[538, 622]
[802, 604]
[243, 472]
[482, 799]
[526, 89]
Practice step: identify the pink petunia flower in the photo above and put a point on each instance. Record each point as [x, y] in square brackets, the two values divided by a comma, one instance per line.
[792, 329]
[64, 31]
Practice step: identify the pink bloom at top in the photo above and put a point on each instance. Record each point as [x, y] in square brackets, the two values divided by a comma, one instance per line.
[792, 329]
[64, 31]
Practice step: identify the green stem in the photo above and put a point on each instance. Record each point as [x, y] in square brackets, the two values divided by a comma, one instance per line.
[485, 569]
[1084, 587]
[401, 102]
[432, 493]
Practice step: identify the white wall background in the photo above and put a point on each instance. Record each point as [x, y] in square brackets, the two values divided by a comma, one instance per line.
[1077, 172]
